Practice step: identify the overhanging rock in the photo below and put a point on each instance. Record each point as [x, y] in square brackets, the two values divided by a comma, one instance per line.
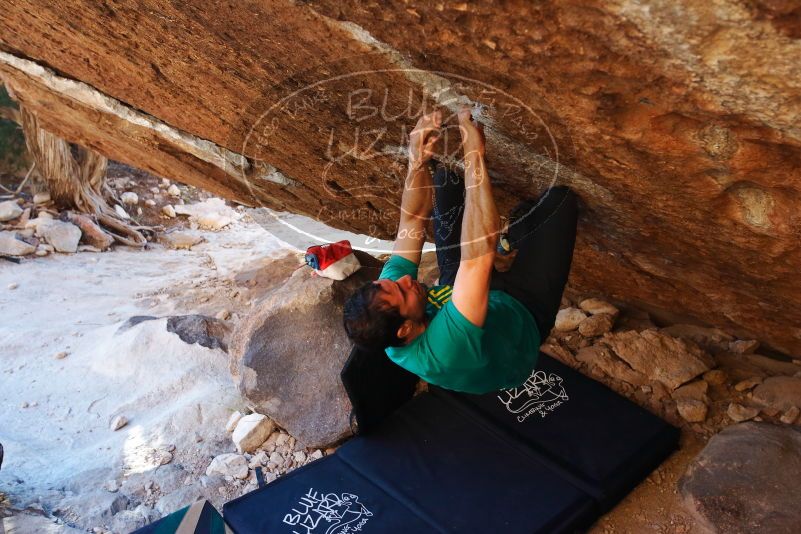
[676, 122]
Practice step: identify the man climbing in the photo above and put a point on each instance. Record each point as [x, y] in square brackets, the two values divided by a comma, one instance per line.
[479, 330]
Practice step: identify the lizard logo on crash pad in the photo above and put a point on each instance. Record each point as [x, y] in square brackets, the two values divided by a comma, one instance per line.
[329, 513]
[541, 393]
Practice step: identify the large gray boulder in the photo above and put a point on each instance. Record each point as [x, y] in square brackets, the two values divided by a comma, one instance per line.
[286, 357]
[746, 480]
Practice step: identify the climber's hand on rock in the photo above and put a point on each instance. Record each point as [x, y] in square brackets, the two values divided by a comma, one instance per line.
[472, 133]
[423, 138]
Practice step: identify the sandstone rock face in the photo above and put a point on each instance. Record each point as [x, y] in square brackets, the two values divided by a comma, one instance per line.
[659, 357]
[676, 122]
[288, 355]
[746, 480]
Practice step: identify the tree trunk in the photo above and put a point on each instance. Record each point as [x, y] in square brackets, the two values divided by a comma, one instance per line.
[75, 177]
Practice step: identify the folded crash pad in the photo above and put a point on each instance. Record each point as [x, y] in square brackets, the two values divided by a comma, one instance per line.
[324, 497]
[464, 477]
[547, 457]
[600, 441]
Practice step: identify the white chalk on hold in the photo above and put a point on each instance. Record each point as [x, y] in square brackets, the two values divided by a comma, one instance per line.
[477, 110]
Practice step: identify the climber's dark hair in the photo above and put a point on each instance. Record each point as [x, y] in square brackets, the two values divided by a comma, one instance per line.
[368, 323]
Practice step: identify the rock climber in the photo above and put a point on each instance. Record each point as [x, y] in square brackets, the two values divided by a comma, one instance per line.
[479, 329]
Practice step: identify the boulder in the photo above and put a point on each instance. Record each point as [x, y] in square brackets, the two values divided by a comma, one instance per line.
[205, 331]
[596, 306]
[228, 465]
[64, 236]
[660, 357]
[11, 246]
[568, 319]
[746, 480]
[596, 325]
[288, 355]
[251, 431]
[779, 392]
[9, 210]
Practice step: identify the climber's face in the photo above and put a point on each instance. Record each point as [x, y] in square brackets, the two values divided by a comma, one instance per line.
[406, 295]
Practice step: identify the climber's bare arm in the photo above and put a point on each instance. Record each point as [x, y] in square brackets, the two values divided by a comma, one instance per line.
[480, 227]
[418, 191]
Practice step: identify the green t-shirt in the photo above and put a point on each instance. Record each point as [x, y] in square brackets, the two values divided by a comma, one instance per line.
[453, 353]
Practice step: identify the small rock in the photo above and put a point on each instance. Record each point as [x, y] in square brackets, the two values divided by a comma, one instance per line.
[150, 202]
[316, 455]
[282, 440]
[742, 346]
[11, 246]
[24, 404]
[169, 211]
[121, 212]
[251, 431]
[299, 457]
[569, 319]
[259, 459]
[111, 486]
[740, 413]
[173, 191]
[118, 422]
[596, 325]
[213, 221]
[130, 198]
[748, 383]
[9, 210]
[41, 251]
[789, 417]
[596, 306]
[138, 210]
[276, 458]
[41, 198]
[693, 411]
[60, 355]
[695, 390]
[232, 465]
[13, 285]
[223, 315]
[180, 240]
[715, 377]
[64, 236]
[232, 421]
[779, 392]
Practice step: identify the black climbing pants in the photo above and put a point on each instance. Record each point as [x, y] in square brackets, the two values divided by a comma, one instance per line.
[543, 230]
